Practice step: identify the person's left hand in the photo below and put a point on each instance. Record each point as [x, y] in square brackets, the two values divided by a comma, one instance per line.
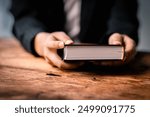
[129, 46]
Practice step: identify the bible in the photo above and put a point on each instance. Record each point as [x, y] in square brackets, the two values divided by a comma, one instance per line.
[93, 52]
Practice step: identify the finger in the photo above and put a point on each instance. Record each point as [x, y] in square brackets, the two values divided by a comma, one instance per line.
[58, 62]
[129, 43]
[130, 48]
[115, 39]
[55, 44]
[61, 36]
[48, 61]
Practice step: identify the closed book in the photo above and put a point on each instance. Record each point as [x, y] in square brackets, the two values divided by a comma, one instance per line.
[93, 52]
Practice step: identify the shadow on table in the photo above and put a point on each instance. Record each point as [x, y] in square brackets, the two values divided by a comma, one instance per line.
[138, 66]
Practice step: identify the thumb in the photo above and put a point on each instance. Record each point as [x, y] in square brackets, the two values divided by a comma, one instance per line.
[115, 39]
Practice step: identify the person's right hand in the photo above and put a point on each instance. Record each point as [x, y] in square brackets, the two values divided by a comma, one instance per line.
[46, 45]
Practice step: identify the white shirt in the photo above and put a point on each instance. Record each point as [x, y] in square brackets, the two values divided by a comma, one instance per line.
[73, 10]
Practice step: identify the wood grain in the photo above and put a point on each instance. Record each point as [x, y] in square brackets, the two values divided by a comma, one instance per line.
[23, 76]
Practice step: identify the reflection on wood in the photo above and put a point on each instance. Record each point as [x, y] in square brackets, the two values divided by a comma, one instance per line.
[23, 76]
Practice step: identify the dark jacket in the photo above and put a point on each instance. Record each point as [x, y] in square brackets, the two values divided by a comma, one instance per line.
[99, 19]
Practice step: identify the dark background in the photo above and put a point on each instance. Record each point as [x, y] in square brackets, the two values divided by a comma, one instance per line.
[6, 21]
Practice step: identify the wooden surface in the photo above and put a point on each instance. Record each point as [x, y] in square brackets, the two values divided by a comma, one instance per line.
[22, 76]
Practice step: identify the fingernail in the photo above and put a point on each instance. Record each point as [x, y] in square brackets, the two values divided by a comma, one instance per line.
[61, 45]
[69, 42]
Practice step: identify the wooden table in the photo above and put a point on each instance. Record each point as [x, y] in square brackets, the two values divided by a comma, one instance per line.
[23, 76]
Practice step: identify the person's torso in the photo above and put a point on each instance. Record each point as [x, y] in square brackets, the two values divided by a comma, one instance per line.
[93, 17]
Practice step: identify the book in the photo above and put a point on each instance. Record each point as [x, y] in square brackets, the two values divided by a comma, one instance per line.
[93, 52]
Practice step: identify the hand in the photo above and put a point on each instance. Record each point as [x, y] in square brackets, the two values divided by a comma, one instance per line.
[129, 45]
[127, 42]
[46, 45]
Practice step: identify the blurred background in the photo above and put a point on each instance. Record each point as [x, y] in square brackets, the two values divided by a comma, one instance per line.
[6, 22]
